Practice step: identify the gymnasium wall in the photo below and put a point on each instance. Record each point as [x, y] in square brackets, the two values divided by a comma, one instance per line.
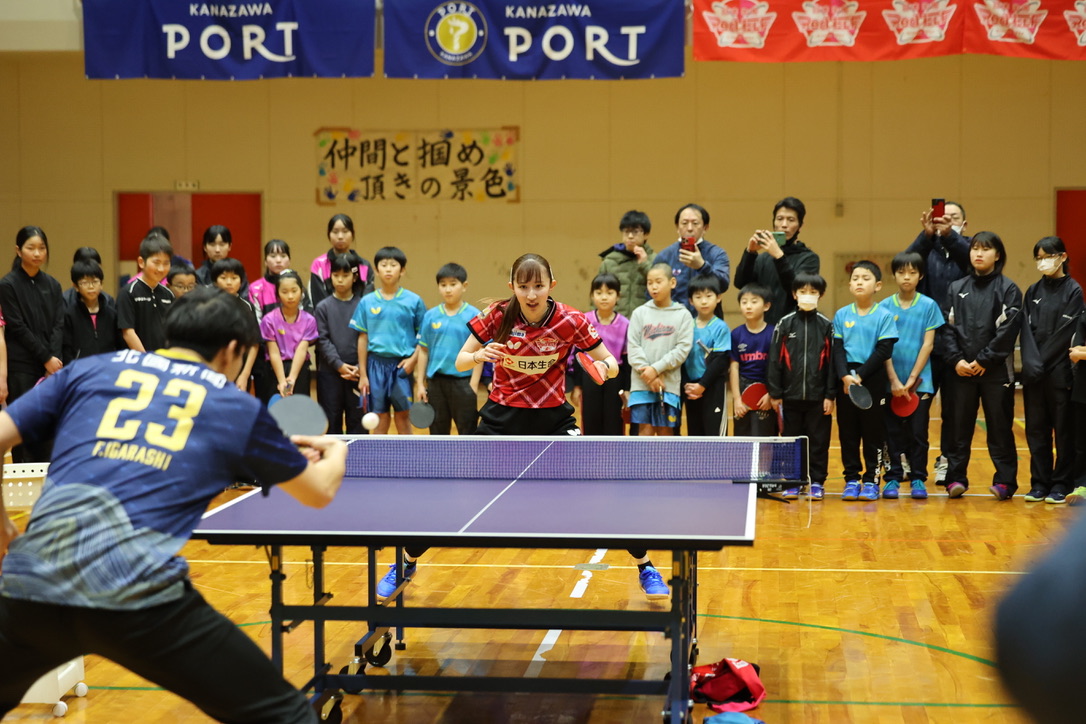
[865, 145]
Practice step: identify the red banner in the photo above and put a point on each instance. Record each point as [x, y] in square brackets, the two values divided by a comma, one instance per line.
[804, 30]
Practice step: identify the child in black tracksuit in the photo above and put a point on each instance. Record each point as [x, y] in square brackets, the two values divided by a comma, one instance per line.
[800, 377]
[1077, 354]
[984, 315]
[1052, 307]
[90, 321]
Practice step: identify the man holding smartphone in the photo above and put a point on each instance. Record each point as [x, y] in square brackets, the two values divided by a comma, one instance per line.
[692, 255]
[945, 248]
[773, 258]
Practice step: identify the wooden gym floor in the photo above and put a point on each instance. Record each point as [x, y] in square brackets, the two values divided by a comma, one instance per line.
[856, 612]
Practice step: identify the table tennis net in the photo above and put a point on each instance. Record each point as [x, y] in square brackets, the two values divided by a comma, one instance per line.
[578, 458]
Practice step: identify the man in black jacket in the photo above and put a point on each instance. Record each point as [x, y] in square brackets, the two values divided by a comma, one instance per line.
[779, 265]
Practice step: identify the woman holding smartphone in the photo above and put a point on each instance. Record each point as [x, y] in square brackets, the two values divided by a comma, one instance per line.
[784, 256]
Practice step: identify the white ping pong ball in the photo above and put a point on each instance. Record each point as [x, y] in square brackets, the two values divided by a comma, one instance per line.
[370, 420]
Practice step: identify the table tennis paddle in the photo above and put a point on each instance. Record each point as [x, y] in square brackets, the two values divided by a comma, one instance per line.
[753, 394]
[589, 366]
[299, 415]
[860, 395]
[905, 405]
[273, 399]
[704, 348]
[421, 414]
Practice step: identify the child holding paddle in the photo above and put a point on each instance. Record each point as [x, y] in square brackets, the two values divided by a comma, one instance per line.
[749, 365]
[287, 332]
[917, 317]
[800, 377]
[863, 339]
[452, 393]
[601, 405]
[705, 368]
[659, 338]
[388, 321]
[983, 314]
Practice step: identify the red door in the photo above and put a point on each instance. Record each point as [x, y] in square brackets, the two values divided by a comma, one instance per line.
[238, 212]
[186, 216]
[1071, 227]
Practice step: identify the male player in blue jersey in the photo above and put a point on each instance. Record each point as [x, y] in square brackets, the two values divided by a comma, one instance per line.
[144, 441]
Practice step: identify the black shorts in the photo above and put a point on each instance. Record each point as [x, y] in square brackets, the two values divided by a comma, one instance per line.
[185, 646]
[495, 419]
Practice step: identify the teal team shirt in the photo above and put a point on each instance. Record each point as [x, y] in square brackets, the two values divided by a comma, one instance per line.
[716, 337]
[861, 332]
[912, 323]
[392, 325]
[443, 335]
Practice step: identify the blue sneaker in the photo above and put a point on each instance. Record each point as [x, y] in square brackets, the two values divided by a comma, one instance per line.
[817, 491]
[791, 494]
[890, 490]
[870, 491]
[653, 585]
[852, 491]
[387, 585]
[919, 492]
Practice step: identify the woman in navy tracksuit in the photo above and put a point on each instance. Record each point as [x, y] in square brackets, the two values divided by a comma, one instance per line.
[1052, 307]
[984, 315]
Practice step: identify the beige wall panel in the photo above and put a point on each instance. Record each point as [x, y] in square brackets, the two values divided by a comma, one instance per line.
[564, 149]
[463, 104]
[1005, 131]
[810, 162]
[653, 146]
[143, 135]
[858, 131]
[741, 116]
[1067, 133]
[60, 141]
[485, 239]
[10, 125]
[916, 118]
[297, 107]
[227, 135]
[563, 233]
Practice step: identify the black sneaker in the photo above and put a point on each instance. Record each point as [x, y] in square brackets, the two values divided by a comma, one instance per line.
[1035, 496]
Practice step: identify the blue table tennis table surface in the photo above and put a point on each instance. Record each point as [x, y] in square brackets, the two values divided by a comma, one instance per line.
[664, 514]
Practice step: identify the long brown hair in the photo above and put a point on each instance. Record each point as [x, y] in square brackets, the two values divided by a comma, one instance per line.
[527, 268]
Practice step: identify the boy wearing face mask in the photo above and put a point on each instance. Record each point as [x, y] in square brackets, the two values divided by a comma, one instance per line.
[800, 377]
[909, 369]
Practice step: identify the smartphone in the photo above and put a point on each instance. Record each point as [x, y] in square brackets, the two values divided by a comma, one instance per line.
[938, 208]
[780, 237]
[689, 243]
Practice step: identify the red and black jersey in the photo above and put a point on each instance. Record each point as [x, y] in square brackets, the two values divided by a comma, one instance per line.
[533, 373]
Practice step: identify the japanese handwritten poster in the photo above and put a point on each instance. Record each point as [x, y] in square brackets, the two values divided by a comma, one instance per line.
[442, 165]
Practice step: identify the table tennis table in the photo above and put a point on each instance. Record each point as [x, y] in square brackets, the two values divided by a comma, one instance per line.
[678, 494]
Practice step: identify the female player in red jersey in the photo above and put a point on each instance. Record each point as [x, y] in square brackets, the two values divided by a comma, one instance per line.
[529, 337]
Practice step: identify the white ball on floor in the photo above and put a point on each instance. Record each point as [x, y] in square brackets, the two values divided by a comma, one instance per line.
[370, 420]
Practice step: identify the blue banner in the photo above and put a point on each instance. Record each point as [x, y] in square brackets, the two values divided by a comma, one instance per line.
[523, 39]
[228, 40]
